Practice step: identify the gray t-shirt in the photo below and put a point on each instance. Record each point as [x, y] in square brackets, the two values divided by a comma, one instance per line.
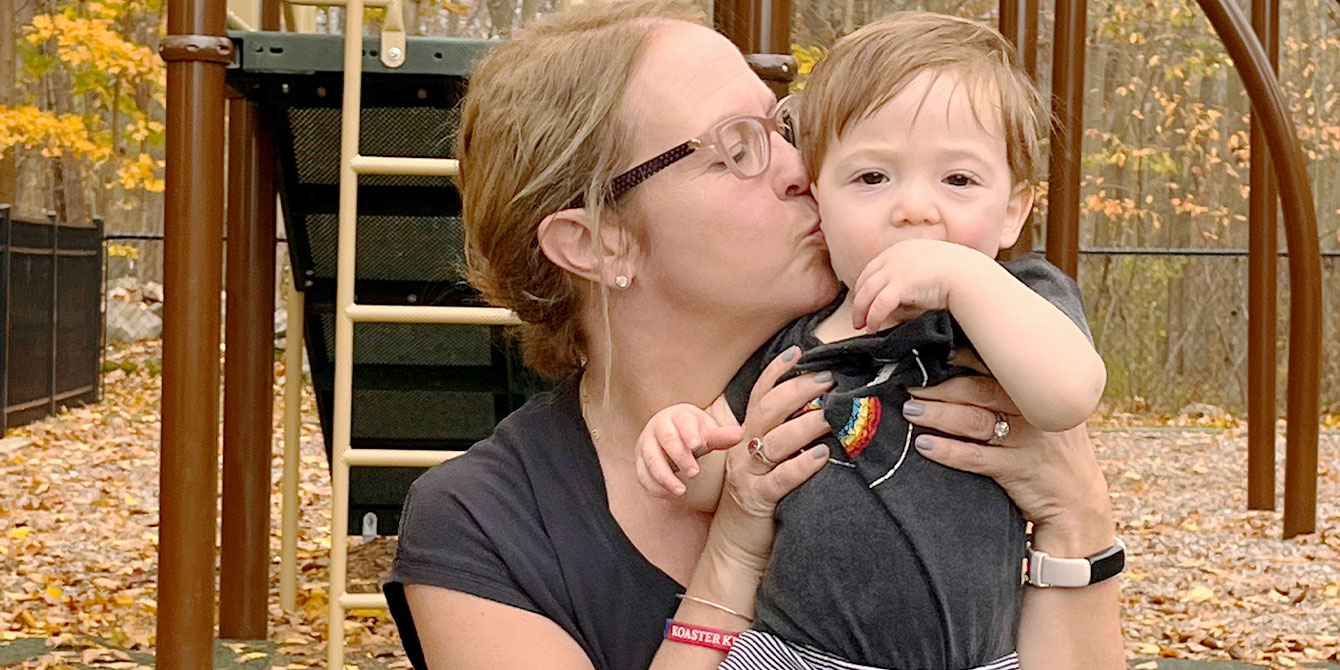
[885, 557]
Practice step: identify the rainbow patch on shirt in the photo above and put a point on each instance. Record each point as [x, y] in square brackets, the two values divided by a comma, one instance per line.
[861, 425]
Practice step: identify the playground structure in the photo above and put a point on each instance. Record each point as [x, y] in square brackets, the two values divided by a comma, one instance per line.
[199, 53]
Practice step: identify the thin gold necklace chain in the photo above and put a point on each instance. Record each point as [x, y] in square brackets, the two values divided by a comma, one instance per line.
[585, 403]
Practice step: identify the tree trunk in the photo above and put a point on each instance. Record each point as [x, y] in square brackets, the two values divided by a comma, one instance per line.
[9, 165]
[500, 15]
[67, 183]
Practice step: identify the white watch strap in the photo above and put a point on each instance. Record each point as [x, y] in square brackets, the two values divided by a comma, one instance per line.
[1045, 570]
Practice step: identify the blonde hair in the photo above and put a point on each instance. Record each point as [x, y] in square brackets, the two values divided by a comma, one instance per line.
[869, 67]
[541, 122]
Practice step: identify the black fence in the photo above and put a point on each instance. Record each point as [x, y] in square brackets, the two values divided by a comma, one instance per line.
[50, 316]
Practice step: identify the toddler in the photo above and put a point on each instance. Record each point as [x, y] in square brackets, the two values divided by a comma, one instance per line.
[920, 135]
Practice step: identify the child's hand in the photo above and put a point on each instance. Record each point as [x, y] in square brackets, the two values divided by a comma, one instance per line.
[672, 441]
[907, 280]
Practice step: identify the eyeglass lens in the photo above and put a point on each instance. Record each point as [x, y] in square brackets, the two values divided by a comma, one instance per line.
[745, 144]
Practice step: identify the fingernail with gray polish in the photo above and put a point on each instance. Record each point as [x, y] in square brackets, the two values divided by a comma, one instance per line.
[823, 377]
[914, 408]
[790, 354]
[925, 443]
[819, 452]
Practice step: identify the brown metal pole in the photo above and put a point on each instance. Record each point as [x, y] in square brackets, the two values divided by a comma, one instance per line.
[757, 26]
[1300, 232]
[270, 11]
[1030, 21]
[1262, 282]
[774, 36]
[732, 18]
[1067, 136]
[1019, 24]
[193, 231]
[774, 26]
[248, 393]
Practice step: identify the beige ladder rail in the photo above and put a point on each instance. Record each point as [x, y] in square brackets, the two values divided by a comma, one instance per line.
[347, 312]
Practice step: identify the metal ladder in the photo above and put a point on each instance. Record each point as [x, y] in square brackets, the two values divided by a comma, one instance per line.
[347, 313]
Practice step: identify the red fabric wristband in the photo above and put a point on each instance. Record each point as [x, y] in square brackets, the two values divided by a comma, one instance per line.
[688, 633]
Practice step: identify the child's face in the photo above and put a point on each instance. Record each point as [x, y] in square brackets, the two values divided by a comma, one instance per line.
[920, 167]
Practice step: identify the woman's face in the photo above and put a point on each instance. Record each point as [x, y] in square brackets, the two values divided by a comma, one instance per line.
[710, 244]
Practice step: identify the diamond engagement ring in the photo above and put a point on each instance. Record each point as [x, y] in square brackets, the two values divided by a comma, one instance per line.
[756, 450]
[1000, 431]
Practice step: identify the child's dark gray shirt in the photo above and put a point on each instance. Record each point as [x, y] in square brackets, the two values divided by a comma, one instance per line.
[885, 557]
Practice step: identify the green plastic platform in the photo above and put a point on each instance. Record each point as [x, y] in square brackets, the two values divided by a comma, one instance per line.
[415, 386]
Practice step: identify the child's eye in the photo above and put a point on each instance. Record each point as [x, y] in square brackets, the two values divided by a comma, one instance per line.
[872, 178]
[960, 179]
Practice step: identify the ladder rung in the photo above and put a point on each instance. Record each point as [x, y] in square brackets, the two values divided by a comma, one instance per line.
[419, 167]
[468, 316]
[397, 458]
[363, 601]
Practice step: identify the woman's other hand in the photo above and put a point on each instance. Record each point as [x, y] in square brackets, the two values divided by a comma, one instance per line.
[772, 459]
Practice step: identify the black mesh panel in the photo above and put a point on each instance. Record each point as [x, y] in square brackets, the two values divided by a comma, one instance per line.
[415, 386]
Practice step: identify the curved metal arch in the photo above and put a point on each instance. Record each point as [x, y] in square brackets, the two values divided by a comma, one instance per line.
[1300, 229]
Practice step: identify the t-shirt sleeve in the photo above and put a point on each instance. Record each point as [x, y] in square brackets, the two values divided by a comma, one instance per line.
[447, 539]
[1051, 283]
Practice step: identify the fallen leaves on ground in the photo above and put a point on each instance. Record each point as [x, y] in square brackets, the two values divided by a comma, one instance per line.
[1206, 578]
[79, 542]
[79, 535]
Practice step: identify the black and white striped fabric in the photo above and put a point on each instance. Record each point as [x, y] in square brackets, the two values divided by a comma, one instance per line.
[756, 650]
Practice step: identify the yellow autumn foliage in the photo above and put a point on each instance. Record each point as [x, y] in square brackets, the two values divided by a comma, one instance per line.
[52, 136]
[92, 42]
[108, 74]
[139, 172]
[49, 134]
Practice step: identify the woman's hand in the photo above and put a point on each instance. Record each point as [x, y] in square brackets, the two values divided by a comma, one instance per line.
[771, 460]
[1054, 478]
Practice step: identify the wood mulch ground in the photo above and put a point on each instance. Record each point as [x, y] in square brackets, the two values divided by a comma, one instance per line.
[1207, 578]
[78, 546]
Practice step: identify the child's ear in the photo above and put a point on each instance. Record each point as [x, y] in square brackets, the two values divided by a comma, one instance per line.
[568, 238]
[1016, 214]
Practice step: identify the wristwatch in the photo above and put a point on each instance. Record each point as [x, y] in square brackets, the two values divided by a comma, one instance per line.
[1046, 571]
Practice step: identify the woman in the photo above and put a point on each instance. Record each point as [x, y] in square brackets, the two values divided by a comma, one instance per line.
[538, 548]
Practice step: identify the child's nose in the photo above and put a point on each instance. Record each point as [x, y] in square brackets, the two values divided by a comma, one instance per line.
[914, 207]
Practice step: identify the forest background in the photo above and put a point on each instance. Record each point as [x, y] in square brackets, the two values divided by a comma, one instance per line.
[1165, 157]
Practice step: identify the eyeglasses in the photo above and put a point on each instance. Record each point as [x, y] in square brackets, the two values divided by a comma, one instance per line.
[741, 142]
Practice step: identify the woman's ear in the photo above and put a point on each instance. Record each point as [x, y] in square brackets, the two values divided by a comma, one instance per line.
[1016, 214]
[568, 239]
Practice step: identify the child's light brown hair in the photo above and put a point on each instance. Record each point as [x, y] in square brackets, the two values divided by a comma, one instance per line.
[867, 68]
